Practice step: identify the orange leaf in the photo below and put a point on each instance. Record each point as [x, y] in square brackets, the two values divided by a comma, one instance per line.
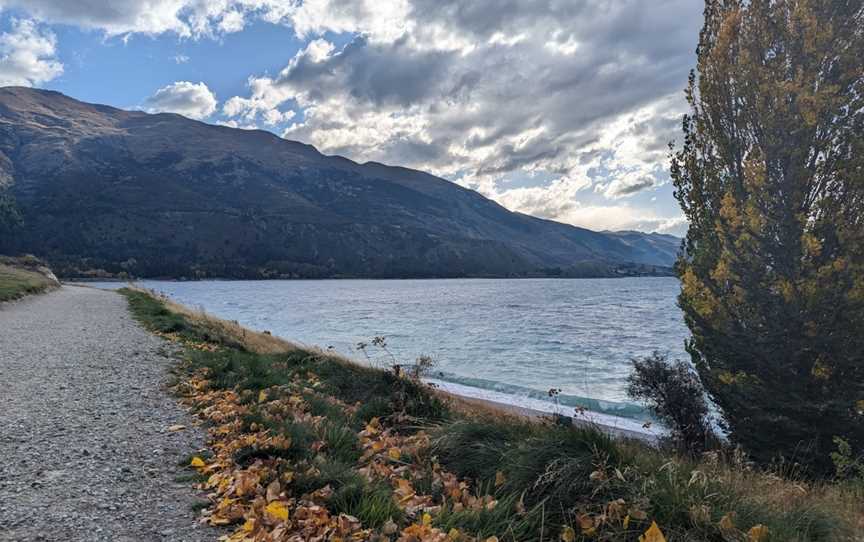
[653, 534]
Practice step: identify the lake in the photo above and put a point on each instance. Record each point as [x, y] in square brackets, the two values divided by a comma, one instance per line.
[499, 339]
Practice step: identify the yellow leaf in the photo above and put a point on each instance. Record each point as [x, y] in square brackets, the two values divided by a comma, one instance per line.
[278, 510]
[727, 522]
[568, 534]
[262, 396]
[249, 525]
[626, 522]
[394, 453]
[427, 519]
[197, 462]
[499, 479]
[757, 533]
[653, 534]
[636, 513]
[454, 534]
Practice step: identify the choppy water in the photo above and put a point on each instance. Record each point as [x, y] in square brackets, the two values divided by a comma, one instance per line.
[498, 339]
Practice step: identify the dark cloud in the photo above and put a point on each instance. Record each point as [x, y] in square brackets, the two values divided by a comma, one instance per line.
[378, 74]
[586, 90]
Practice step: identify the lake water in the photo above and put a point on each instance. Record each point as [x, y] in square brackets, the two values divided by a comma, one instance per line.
[498, 339]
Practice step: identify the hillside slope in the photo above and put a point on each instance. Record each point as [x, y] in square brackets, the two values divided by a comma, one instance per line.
[163, 195]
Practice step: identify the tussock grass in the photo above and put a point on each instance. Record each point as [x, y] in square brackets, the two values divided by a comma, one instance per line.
[22, 276]
[545, 478]
[570, 472]
[166, 316]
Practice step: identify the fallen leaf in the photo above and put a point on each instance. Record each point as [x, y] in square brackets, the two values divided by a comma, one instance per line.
[197, 462]
[390, 527]
[653, 534]
[273, 490]
[278, 510]
[499, 479]
[394, 453]
[177, 427]
[727, 522]
[636, 513]
[568, 534]
[586, 523]
[757, 533]
[262, 396]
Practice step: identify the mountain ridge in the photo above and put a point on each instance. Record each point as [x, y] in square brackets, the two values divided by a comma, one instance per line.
[102, 188]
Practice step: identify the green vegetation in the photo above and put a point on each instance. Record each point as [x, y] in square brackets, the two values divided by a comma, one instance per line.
[527, 480]
[770, 179]
[20, 277]
[10, 219]
[673, 393]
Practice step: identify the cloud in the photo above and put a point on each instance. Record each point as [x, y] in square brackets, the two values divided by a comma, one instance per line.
[181, 59]
[625, 185]
[624, 217]
[186, 18]
[193, 100]
[27, 55]
[585, 94]
[578, 98]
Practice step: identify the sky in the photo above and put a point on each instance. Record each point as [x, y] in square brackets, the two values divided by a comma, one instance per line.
[562, 109]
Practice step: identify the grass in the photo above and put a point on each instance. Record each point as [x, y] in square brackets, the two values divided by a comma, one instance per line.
[17, 281]
[544, 479]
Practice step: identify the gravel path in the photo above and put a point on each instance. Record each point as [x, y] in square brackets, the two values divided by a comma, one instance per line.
[85, 451]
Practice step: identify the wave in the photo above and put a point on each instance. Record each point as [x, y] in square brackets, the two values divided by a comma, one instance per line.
[566, 402]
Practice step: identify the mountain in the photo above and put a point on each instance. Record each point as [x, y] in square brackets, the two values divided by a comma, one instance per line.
[161, 195]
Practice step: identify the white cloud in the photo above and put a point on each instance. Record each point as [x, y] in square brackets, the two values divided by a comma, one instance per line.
[181, 59]
[27, 55]
[186, 18]
[624, 217]
[587, 94]
[193, 100]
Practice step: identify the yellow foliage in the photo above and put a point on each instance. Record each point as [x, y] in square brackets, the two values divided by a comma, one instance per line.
[820, 370]
[197, 462]
[727, 522]
[653, 534]
[278, 510]
[757, 533]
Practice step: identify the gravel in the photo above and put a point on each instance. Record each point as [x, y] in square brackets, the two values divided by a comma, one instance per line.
[85, 450]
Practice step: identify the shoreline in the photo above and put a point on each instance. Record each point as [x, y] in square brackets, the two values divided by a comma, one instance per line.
[481, 398]
[537, 409]
[85, 280]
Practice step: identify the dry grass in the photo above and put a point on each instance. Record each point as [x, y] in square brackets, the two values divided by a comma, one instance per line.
[21, 277]
[232, 332]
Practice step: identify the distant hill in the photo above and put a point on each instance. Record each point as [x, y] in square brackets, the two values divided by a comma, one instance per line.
[100, 188]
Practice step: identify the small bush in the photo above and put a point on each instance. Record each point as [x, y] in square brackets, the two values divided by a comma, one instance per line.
[846, 464]
[675, 395]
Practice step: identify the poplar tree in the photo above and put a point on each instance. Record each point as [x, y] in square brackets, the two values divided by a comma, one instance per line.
[769, 176]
